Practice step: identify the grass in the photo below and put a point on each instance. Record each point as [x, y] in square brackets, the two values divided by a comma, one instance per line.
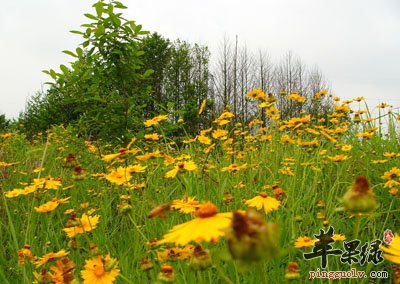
[125, 231]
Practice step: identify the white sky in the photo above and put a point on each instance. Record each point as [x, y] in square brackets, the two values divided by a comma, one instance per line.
[355, 43]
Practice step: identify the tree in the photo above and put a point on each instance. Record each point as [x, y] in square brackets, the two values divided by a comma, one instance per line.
[102, 91]
[4, 122]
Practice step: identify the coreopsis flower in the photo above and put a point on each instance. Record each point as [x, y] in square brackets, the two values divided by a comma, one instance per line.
[155, 120]
[17, 192]
[207, 226]
[100, 270]
[392, 252]
[23, 253]
[85, 224]
[257, 94]
[338, 237]
[296, 122]
[338, 158]
[185, 205]
[286, 171]
[320, 94]
[62, 273]
[50, 205]
[234, 168]
[250, 239]
[49, 257]
[365, 135]
[220, 134]
[224, 118]
[263, 201]
[204, 139]
[202, 106]
[346, 148]
[189, 166]
[136, 169]
[360, 198]
[47, 182]
[303, 242]
[153, 136]
[391, 155]
[175, 253]
[296, 97]
[379, 161]
[120, 176]
[4, 164]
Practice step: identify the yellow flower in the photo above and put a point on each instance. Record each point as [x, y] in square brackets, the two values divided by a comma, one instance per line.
[296, 97]
[202, 106]
[51, 205]
[263, 201]
[208, 226]
[257, 94]
[136, 169]
[4, 164]
[392, 174]
[379, 161]
[50, 257]
[234, 168]
[392, 253]
[302, 242]
[181, 166]
[100, 270]
[365, 135]
[390, 155]
[204, 139]
[119, 176]
[175, 253]
[338, 237]
[223, 118]
[86, 224]
[219, 134]
[346, 148]
[185, 205]
[337, 158]
[155, 120]
[153, 136]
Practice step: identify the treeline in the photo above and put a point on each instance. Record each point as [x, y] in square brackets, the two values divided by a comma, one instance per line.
[122, 75]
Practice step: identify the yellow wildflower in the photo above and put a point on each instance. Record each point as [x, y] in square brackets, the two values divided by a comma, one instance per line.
[264, 201]
[100, 270]
[208, 226]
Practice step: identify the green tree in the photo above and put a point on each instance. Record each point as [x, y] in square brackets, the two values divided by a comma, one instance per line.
[102, 92]
[4, 122]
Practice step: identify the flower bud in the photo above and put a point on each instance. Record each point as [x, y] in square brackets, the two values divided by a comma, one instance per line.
[167, 274]
[250, 239]
[360, 198]
[201, 259]
[293, 271]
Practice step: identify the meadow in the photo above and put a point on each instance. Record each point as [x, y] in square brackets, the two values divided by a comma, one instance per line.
[252, 200]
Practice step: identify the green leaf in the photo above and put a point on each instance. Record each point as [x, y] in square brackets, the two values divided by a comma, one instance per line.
[76, 32]
[90, 16]
[69, 53]
[119, 5]
[148, 73]
[99, 8]
[79, 52]
[64, 69]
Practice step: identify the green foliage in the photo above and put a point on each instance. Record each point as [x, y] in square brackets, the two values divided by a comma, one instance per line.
[4, 122]
[102, 91]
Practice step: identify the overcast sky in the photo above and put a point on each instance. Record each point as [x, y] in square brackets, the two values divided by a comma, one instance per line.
[355, 43]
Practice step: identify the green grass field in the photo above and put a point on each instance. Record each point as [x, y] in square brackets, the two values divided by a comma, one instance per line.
[129, 201]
